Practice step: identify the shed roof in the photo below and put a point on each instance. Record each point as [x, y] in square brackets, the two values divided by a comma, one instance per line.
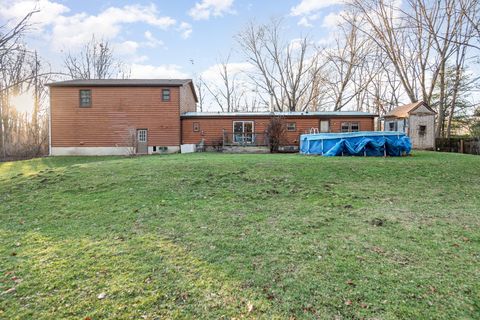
[281, 114]
[405, 110]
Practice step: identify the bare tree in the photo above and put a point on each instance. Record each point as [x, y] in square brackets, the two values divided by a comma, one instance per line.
[201, 92]
[419, 40]
[349, 65]
[39, 119]
[13, 55]
[285, 71]
[229, 93]
[22, 71]
[95, 61]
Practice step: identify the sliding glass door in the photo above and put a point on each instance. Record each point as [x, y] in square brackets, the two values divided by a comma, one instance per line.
[243, 132]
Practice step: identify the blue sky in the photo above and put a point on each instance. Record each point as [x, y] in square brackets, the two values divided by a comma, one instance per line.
[162, 38]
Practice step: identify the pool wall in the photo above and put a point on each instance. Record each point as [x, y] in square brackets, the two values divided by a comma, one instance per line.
[366, 143]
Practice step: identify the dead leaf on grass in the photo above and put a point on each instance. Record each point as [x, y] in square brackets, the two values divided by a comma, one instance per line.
[350, 283]
[249, 307]
[11, 290]
[378, 250]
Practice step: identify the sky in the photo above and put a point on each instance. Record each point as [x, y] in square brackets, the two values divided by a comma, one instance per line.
[167, 38]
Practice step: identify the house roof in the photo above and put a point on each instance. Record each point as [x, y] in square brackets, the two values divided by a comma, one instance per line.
[281, 114]
[126, 83]
[121, 83]
[404, 111]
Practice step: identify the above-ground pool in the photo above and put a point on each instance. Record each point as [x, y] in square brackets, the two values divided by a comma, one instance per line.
[366, 143]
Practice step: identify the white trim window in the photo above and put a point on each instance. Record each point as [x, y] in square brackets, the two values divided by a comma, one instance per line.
[142, 135]
[85, 96]
[243, 132]
[291, 126]
[350, 127]
[166, 95]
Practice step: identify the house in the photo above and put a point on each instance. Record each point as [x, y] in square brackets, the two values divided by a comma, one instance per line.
[417, 120]
[248, 128]
[118, 117]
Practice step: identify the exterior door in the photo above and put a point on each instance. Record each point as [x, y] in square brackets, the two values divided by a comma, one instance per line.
[142, 138]
[243, 132]
[324, 126]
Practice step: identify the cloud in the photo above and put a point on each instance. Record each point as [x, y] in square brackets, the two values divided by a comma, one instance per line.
[333, 19]
[306, 21]
[212, 73]
[308, 10]
[48, 11]
[307, 7]
[73, 31]
[145, 71]
[206, 8]
[152, 42]
[126, 48]
[185, 30]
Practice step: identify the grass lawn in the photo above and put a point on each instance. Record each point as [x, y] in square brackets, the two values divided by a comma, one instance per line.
[230, 236]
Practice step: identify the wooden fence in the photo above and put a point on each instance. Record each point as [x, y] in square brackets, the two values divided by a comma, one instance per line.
[458, 145]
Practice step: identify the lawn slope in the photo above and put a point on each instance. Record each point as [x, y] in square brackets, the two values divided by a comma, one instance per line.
[254, 236]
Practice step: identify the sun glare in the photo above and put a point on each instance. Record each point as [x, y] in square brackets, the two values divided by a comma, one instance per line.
[23, 102]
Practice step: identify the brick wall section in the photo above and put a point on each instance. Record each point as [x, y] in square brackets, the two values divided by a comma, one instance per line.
[211, 128]
[114, 110]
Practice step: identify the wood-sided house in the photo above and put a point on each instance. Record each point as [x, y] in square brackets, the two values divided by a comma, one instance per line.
[117, 117]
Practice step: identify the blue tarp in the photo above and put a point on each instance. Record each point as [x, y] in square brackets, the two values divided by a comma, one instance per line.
[367, 143]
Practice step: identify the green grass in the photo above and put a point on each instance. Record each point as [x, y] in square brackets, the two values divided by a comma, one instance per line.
[232, 236]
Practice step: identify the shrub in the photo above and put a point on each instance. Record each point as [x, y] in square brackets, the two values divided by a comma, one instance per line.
[276, 133]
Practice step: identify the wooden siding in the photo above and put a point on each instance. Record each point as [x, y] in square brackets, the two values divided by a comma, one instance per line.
[427, 140]
[211, 129]
[187, 99]
[115, 112]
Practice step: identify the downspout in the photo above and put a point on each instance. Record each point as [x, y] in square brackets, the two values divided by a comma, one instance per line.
[50, 123]
[180, 116]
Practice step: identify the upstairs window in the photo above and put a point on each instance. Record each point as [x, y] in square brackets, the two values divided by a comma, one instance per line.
[85, 98]
[291, 126]
[350, 127]
[166, 95]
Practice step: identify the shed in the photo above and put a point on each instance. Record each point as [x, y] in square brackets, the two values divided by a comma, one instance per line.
[417, 120]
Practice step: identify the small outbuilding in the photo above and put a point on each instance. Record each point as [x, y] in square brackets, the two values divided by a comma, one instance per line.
[417, 120]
